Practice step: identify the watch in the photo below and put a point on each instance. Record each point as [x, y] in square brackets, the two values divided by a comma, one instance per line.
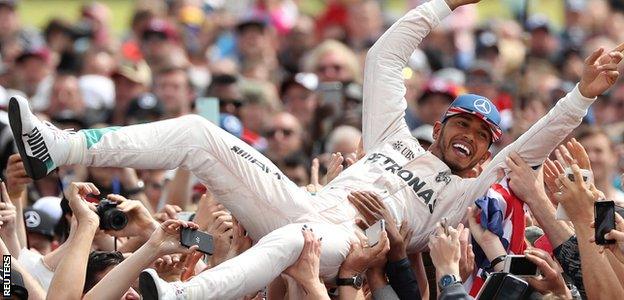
[448, 280]
[355, 281]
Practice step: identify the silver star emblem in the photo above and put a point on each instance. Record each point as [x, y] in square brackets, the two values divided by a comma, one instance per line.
[483, 106]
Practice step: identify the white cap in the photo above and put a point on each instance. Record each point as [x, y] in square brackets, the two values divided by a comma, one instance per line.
[97, 91]
[51, 205]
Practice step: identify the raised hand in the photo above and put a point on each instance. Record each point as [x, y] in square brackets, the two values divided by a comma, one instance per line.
[361, 256]
[83, 210]
[16, 177]
[335, 167]
[315, 184]
[166, 238]
[551, 279]
[600, 71]
[140, 221]
[577, 197]
[306, 269]
[453, 4]
[524, 181]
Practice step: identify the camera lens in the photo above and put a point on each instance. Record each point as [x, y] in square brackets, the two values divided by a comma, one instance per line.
[115, 219]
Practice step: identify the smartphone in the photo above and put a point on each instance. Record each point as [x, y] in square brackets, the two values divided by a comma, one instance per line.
[586, 174]
[185, 215]
[512, 287]
[604, 220]
[332, 96]
[519, 265]
[190, 237]
[588, 177]
[374, 232]
[208, 107]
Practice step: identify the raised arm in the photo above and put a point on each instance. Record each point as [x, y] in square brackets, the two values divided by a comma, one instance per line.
[384, 89]
[69, 276]
[599, 74]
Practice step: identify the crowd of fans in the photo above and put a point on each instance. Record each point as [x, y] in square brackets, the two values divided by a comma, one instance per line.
[289, 84]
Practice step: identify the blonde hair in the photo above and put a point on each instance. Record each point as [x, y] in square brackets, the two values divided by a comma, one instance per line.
[332, 46]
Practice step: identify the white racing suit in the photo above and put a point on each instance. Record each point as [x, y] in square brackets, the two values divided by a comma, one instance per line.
[416, 185]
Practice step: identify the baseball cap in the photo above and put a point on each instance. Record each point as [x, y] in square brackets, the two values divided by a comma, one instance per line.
[253, 20]
[50, 205]
[18, 287]
[477, 106]
[160, 28]
[440, 86]
[145, 108]
[308, 81]
[38, 221]
[135, 71]
[42, 53]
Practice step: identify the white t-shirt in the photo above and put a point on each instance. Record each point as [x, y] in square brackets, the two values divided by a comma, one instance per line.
[33, 263]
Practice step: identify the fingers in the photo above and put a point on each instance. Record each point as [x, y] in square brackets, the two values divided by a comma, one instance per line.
[611, 235]
[594, 56]
[619, 48]
[472, 220]
[619, 222]
[117, 198]
[546, 270]
[314, 172]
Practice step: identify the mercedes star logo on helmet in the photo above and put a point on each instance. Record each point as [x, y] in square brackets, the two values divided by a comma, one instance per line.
[32, 219]
[483, 106]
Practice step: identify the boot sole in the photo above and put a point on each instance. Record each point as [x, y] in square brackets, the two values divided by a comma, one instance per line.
[148, 288]
[35, 168]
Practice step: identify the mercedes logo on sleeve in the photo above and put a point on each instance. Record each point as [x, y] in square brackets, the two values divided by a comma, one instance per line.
[483, 106]
[32, 219]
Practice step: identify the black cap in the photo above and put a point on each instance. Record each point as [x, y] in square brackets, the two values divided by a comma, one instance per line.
[18, 288]
[253, 21]
[9, 3]
[145, 108]
[39, 221]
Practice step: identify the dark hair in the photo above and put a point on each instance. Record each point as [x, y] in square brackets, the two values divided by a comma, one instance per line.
[98, 262]
[168, 69]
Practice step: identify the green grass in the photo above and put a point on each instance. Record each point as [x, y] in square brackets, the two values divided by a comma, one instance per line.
[37, 13]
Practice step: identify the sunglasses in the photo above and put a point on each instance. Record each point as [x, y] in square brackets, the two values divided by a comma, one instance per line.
[285, 131]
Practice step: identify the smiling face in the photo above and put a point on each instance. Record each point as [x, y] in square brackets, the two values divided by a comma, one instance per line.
[462, 142]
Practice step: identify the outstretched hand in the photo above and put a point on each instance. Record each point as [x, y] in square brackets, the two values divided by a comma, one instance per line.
[453, 4]
[600, 71]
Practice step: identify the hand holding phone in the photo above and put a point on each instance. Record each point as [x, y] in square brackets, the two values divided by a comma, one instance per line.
[190, 237]
[588, 177]
[520, 266]
[373, 233]
[604, 221]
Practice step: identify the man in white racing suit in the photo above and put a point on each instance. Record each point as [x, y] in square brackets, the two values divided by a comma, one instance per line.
[419, 186]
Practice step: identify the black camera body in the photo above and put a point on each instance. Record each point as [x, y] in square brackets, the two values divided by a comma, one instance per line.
[111, 218]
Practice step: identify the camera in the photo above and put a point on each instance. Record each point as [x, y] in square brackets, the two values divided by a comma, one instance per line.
[111, 218]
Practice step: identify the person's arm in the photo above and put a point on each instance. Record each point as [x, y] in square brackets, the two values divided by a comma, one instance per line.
[69, 276]
[578, 200]
[418, 266]
[35, 291]
[599, 74]
[305, 271]
[8, 217]
[528, 185]
[445, 254]
[164, 241]
[384, 88]
[17, 179]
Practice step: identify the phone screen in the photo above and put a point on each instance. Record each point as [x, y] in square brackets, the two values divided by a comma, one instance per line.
[521, 266]
[208, 107]
[373, 232]
[511, 288]
[604, 214]
[190, 237]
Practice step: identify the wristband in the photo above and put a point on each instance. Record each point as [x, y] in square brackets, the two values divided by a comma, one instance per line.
[497, 260]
